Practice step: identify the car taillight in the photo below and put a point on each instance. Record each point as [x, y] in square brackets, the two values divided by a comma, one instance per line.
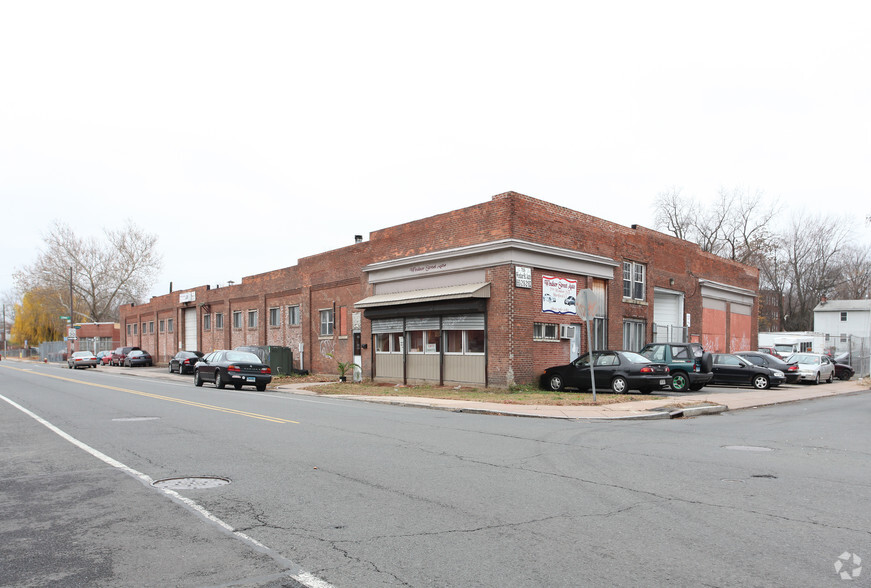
[187, 362]
[647, 370]
[792, 368]
[233, 368]
[265, 370]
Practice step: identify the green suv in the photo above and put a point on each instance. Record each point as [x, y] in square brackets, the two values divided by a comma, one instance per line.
[689, 363]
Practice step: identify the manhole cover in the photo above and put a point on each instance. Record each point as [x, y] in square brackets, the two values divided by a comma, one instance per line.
[748, 448]
[191, 483]
[133, 419]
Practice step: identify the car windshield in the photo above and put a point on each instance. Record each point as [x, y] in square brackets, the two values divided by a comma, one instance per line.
[242, 356]
[804, 358]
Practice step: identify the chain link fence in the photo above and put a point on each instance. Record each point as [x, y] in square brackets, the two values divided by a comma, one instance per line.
[854, 351]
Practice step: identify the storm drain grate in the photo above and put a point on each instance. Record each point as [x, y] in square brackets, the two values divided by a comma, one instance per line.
[191, 483]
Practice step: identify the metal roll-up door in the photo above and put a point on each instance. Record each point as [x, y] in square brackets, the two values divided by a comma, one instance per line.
[393, 325]
[190, 329]
[429, 323]
[462, 322]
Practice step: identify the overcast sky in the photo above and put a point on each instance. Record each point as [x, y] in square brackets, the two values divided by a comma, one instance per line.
[249, 134]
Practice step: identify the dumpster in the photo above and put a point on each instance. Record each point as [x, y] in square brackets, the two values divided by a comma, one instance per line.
[278, 358]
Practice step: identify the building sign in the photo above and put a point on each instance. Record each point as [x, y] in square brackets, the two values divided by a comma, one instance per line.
[187, 297]
[523, 277]
[558, 295]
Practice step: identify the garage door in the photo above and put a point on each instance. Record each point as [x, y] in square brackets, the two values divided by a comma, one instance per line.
[667, 316]
[190, 329]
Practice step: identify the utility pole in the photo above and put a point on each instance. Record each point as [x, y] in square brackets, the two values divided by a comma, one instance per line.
[4, 331]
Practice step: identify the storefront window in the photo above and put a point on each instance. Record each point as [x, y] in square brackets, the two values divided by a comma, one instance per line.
[388, 343]
[423, 342]
[454, 341]
[475, 341]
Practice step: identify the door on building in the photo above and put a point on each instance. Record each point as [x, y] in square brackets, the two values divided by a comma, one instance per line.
[358, 356]
[576, 342]
[668, 317]
[190, 329]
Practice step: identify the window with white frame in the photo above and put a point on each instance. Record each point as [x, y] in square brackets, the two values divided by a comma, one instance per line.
[207, 322]
[464, 334]
[545, 332]
[634, 280]
[327, 318]
[252, 319]
[388, 342]
[150, 327]
[237, 319]
[274, 317]
[219, 320]
[634, 332]
[162, 325]
[293, 315]
[129, 329]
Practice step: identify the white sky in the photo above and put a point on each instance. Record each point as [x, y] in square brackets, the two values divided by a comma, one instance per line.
[249, 134]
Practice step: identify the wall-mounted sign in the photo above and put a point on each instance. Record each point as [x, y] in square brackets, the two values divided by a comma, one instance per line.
[523, 277]
[558, 295]
[187, 297]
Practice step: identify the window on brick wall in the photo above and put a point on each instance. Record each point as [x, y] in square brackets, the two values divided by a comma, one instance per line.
[252, 319]
[129, 329]
[293, 315]
[634, 280]
[545, 332]
[327, 319]
[274, 317]
[162, 325]
[219, 320]
[143, 328]
[634, 333]
[237, 319]
[135, 326]
[169, 325]
[150, 327]
[207, 322]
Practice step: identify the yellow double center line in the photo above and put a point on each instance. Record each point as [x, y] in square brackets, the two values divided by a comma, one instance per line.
[244, 413]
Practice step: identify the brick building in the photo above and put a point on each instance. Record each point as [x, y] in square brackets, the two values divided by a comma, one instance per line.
[481, 295]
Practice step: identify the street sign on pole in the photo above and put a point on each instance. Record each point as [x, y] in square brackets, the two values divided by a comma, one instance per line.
[64, 318]
[586, 310]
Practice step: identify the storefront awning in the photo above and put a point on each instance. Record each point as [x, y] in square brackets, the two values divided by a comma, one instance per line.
[478, 290]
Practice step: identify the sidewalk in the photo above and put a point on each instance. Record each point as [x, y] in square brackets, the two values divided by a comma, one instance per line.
[708, 401]
[711, 401]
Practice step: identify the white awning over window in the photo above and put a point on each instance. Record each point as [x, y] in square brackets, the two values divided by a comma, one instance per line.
[478, 290]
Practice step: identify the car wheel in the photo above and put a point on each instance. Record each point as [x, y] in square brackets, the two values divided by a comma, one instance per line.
[261, 387]
[69, 366]
[761, 382]
[555, 383]
[170, 368]
[831, 378]
[817, 379]
[619, 385]
[237, 386]
[679, 382]
[219, 382]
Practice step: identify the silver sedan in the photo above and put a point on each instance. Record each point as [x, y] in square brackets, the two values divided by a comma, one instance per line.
[813, 367]
[82, 359]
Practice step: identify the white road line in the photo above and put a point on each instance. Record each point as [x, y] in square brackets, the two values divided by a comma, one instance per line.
[304, 578]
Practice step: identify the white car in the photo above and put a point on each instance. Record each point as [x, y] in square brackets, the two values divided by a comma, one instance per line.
[82, 359]
[813, 367]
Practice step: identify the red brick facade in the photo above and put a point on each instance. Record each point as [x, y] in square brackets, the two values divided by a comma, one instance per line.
[481, 243]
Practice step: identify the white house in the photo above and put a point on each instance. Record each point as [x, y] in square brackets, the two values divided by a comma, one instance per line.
[847, 322]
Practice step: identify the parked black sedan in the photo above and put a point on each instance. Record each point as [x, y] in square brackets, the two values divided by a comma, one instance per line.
[619, 371]
[844, 371]
[790, 370]
[239, 368]
[183, 362]
[138, 357]
[735, 371]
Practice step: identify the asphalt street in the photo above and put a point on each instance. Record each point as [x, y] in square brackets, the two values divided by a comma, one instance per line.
[335, 492]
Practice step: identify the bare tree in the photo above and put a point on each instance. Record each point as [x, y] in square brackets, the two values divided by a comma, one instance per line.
[674, 213]
[747, 224]
[104, 274]
[855, 273]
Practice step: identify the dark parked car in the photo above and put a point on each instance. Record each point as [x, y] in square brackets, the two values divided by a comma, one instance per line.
[138, 357]
[689, 363]
[735, 371]
[844, 371]
[82, 359]
[239, 368]
[790, 370]
[104, 357]
[619, 371]
[119, 354]
[183, 362]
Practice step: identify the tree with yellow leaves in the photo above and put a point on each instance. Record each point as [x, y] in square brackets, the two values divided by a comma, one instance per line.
[36, 321]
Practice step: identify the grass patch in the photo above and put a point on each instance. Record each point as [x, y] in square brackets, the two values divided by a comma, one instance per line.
[517, 395]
